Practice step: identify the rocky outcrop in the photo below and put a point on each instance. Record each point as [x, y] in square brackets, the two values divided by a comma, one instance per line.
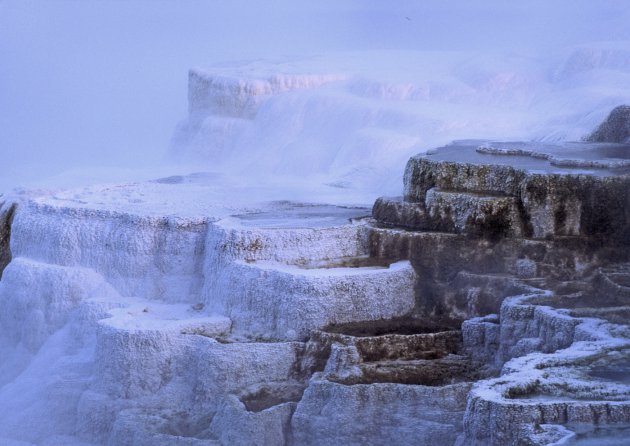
[615, 128]
[513, 192]
[542, 283]
[580, 380]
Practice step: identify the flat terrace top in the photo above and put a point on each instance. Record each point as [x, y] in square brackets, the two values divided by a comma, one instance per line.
[302, 215]
[599, 159]
[203, 197]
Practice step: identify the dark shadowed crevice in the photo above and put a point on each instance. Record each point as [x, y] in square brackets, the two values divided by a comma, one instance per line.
[6, 220]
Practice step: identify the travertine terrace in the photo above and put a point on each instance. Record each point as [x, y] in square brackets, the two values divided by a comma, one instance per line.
[489, 305]
[528, 245]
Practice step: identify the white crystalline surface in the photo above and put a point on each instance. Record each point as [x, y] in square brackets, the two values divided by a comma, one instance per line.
[352, 120]
[123, 300]
[146, 313]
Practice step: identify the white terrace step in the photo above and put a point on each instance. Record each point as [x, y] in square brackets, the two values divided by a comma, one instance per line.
[143, 315]
[146, 427]
[226, 92]
[154, 239]
[147, 370]
[37, 299]
[280, 301]
[293, 233]
[139, 255]
[393, 413]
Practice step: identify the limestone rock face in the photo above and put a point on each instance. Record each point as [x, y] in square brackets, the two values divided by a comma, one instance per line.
[615, 128]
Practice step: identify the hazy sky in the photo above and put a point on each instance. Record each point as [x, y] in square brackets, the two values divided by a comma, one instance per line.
[104, 82]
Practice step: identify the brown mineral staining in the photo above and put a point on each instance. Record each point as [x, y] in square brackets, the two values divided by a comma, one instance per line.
[530, 197]
[518, 242]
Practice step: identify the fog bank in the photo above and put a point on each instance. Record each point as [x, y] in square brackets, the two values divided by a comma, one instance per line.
[102, 84]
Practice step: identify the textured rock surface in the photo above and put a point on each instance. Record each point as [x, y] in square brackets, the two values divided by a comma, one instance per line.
[489, 306]
[378, 413]
[281, 302]
[616, 127]
[523, 191]
[548, 285]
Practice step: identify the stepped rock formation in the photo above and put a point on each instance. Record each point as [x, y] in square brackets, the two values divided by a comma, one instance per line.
[531, 248]
[487, 306]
